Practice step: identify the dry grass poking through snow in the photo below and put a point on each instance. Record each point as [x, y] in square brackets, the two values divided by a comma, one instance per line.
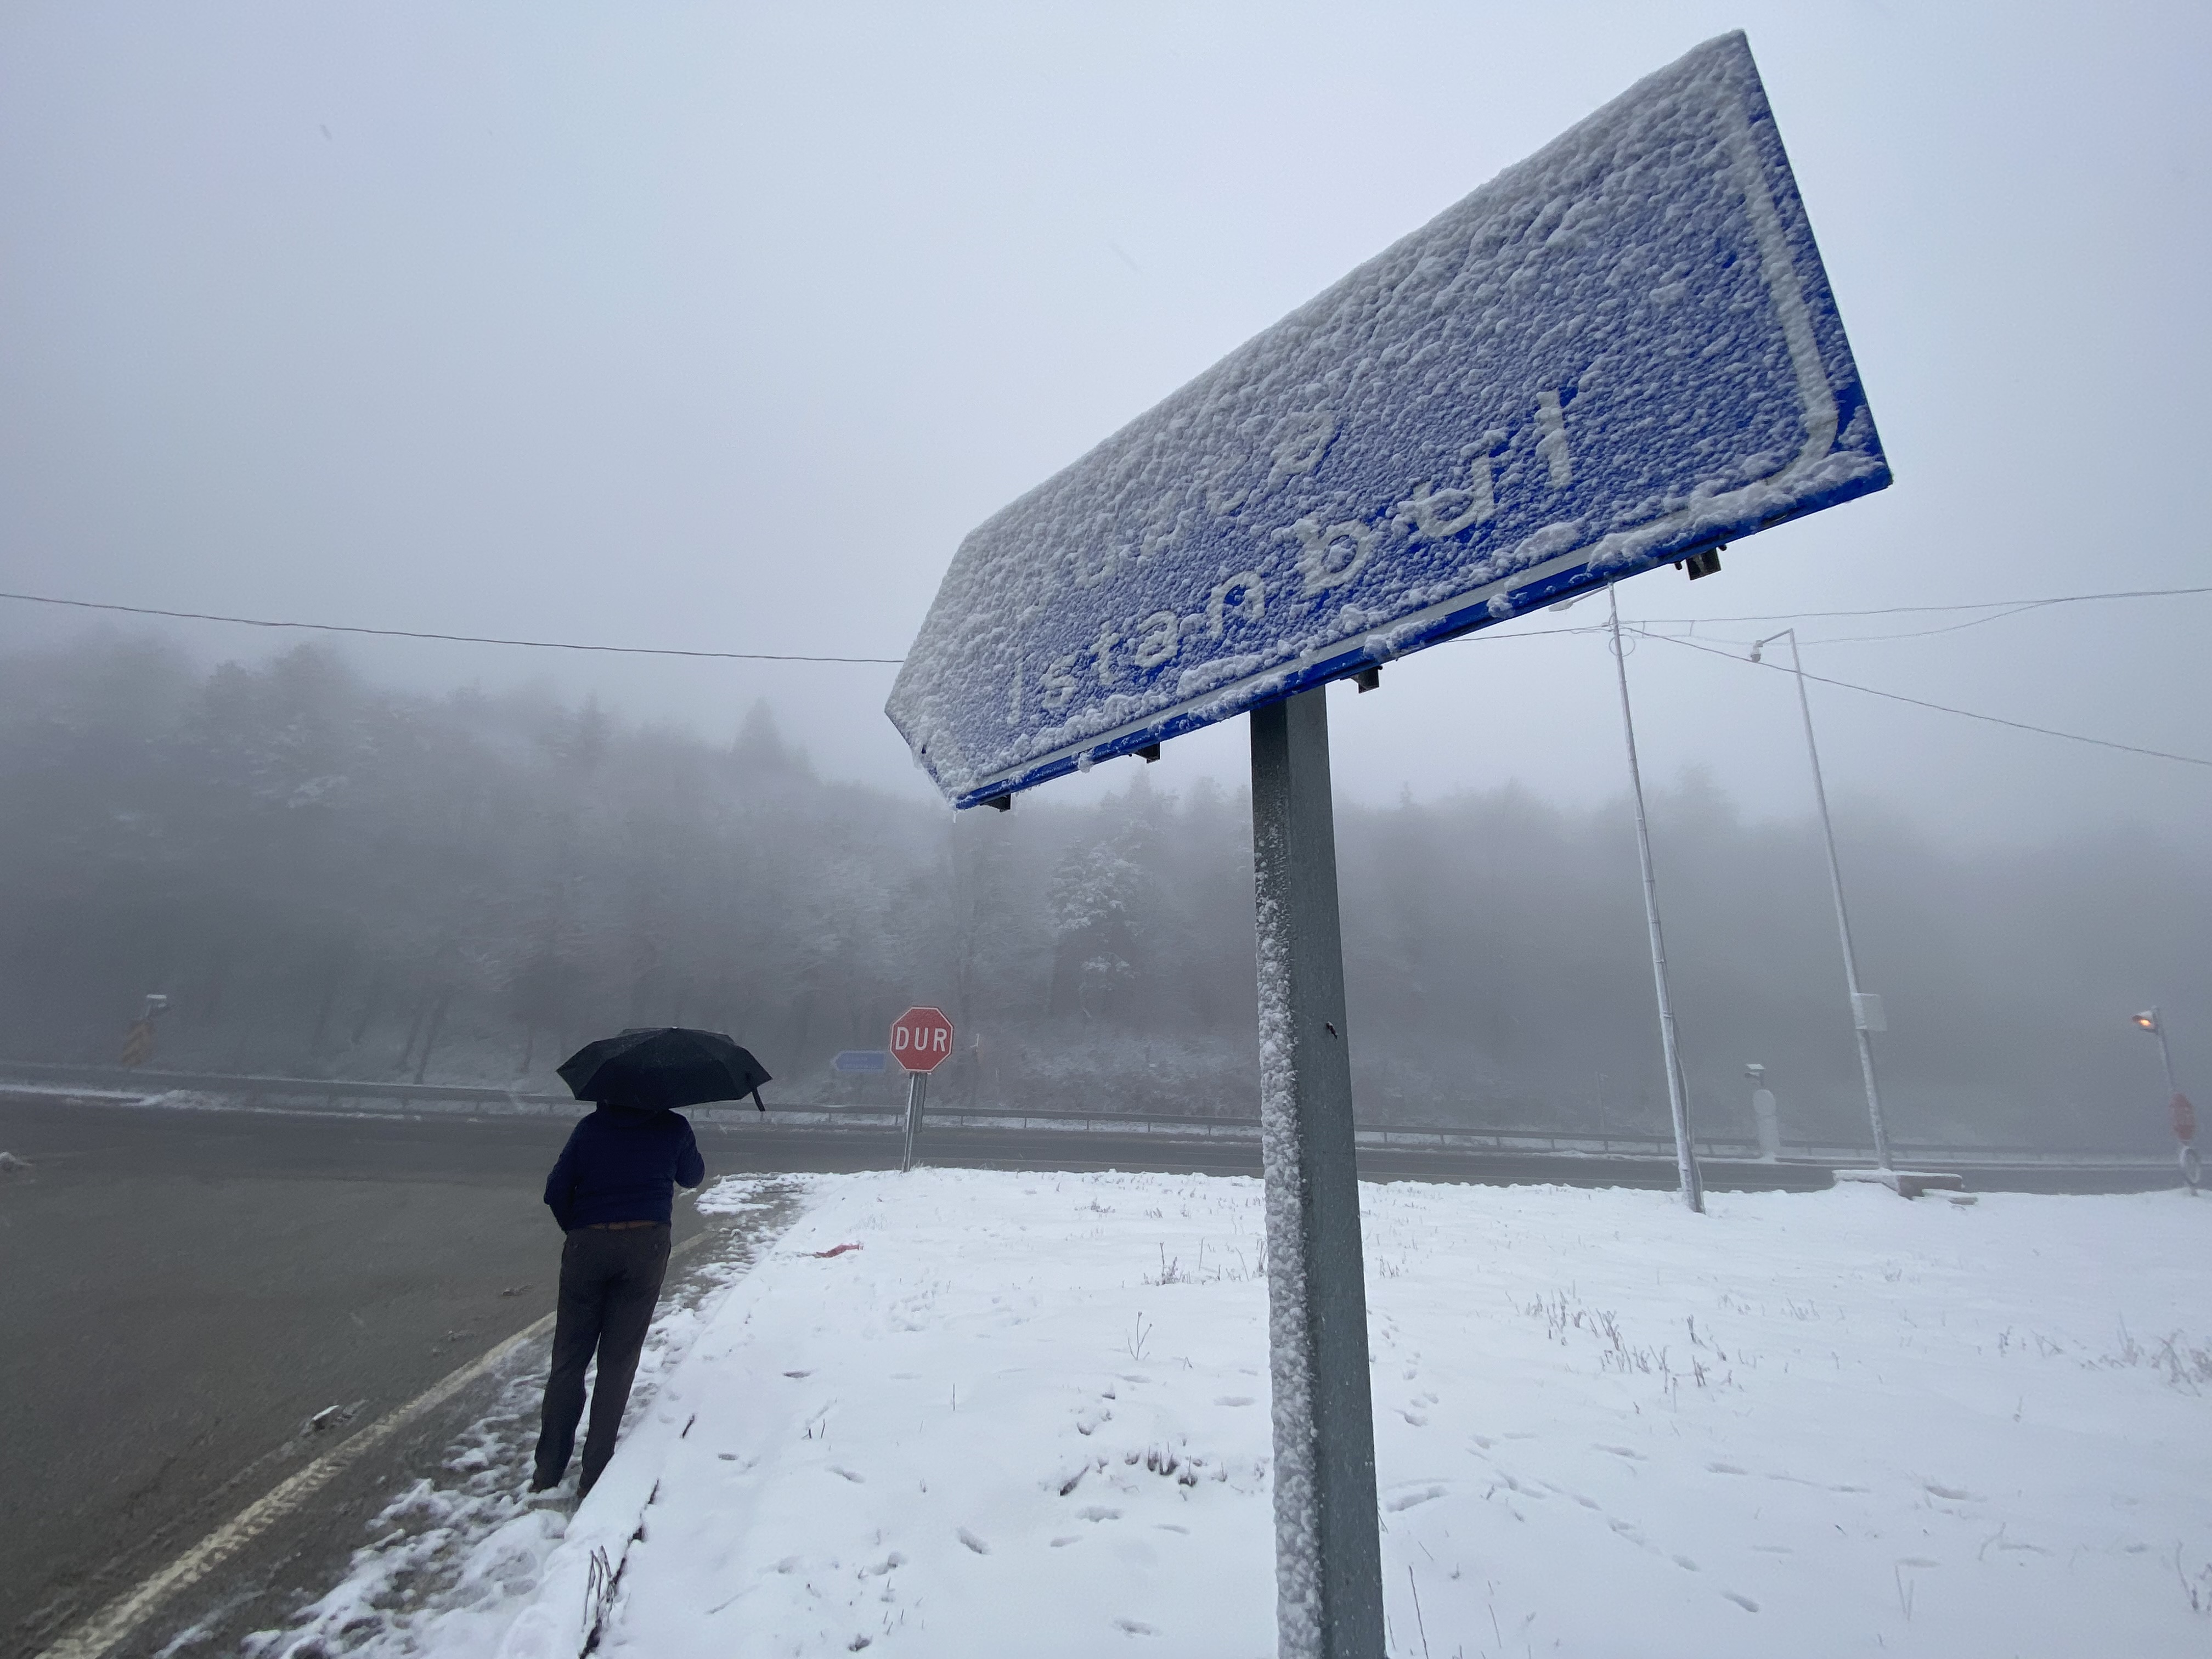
[1030, 1413]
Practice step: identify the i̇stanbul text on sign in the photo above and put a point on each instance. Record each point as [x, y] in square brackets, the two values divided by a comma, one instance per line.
[1619, 352]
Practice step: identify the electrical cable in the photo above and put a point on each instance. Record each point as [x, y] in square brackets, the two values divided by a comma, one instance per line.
[1643, 629]
[459, 638]
[1943, 709]
[1908, 610]
[2003, 607]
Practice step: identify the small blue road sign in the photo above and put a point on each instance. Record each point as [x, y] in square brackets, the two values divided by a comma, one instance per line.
[1620, 353]
[861, 1059]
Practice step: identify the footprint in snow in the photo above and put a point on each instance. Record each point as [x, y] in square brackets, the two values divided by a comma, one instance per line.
[857, 1480]
[1097, 1512]
[1407, 1500]
[971, 1540]
[1072, 1538]
[1415, 1418]
[1743, 1601]
[1723, 1469]
[798, 1373]
[1233, 1399]
[1134, 1628]
[1686, 1563]
[1623, 1451]
[1956, 1494]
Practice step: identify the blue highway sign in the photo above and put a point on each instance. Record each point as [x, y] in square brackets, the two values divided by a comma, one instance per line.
[861, 1059]
[1620, 353]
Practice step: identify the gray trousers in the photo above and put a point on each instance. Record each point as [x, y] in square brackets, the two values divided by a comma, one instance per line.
[610, 1281]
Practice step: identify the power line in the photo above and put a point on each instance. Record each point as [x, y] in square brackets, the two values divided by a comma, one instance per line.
[1645, 629]
[1922, 703]
[2003, 607]
[2007, 606]
[457, 639]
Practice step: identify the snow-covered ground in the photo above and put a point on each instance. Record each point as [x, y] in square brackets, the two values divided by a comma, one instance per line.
[1029, 1414]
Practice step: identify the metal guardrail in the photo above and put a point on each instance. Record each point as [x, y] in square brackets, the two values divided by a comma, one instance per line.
[263, 1091]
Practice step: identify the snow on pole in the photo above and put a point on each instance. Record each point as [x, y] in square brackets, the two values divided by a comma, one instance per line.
[1328, 1572]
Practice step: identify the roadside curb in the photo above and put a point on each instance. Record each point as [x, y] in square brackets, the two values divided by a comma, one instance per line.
[577, 1589]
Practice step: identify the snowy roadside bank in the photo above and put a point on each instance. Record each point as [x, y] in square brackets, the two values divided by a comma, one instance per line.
[1030, 1413]
[456, 1556]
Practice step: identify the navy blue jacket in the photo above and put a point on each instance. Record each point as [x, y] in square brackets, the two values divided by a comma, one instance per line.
[622, 1164]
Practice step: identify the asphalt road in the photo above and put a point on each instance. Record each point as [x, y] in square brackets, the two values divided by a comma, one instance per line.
[183, 1290]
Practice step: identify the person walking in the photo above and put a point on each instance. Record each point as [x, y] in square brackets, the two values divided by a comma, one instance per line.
[612, 1190]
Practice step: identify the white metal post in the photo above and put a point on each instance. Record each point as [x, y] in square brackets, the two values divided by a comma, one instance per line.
[1677, 1102]
[1764, 1115]
[1328, 1557]
[1859, 1023]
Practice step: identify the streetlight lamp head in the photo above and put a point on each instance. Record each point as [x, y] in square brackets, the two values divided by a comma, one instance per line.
[2147, 1020]
[1758, 647]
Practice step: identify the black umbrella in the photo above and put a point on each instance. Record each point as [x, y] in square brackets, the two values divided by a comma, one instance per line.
[664, 1066]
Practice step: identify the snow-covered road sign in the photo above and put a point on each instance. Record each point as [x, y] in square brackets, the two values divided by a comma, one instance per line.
[1619, 353]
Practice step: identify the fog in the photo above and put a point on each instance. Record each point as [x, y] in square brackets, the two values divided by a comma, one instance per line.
[332, 879]
[716, 328]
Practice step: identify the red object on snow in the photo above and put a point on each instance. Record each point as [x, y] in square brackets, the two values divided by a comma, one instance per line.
[921, 1039]
[837, 1250]
[2185, 1120]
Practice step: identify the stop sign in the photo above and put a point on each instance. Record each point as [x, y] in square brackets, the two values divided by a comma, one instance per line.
[921, 1039]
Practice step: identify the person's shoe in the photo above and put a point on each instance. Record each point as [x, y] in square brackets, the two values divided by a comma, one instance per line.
[538, 1482]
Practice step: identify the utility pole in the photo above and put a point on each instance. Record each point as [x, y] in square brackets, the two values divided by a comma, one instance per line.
[1686, 1157]
[1866, 1009]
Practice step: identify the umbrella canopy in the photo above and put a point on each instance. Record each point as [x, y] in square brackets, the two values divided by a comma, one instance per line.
[664, 1066]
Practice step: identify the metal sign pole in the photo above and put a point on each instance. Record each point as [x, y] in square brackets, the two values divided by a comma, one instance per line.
[917, 1086]
[1677, 1102]
[1328, 1563]
[1859, 1015]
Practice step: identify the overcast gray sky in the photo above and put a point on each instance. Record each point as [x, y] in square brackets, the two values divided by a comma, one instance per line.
[718, 326]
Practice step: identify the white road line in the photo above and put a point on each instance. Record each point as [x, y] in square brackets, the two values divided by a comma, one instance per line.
[98, 1635]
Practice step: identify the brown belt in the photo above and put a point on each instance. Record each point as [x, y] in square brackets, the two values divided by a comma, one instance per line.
[621, 1226]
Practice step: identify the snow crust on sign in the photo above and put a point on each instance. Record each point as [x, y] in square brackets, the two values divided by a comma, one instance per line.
[1029, 1416]
[1618, 350]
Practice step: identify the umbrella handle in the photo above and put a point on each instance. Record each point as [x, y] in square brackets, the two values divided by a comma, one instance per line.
[757, 1102]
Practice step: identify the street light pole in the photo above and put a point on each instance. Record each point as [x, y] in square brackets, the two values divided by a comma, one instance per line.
[2155, 1023]
[1686, 1157]
[2184, 1115]
[1862, 1017]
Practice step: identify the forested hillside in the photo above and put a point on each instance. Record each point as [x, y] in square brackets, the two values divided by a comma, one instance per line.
[330, 879]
